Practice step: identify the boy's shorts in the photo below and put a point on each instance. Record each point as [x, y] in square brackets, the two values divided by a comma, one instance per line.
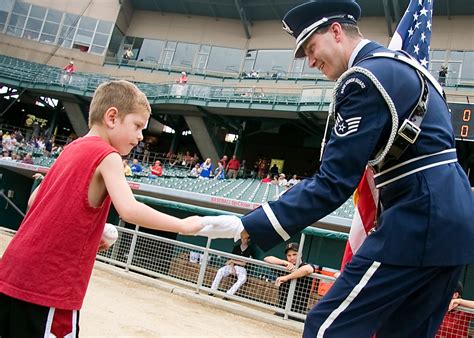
[23, 319]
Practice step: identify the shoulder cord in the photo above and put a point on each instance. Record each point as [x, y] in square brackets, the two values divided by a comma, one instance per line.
[388, 100]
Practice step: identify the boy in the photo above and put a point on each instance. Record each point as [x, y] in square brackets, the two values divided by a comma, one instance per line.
[297, 270]
[45, 270]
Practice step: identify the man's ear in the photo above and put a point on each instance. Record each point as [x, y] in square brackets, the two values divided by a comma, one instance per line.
[336, 30]
[111, 117]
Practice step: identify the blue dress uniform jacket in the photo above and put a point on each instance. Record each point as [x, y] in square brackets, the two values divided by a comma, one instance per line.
[426, 217]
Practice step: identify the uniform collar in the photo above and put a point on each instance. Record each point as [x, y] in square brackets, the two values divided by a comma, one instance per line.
[356, 51]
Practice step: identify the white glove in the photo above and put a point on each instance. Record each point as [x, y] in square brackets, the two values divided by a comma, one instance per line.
[224, 226]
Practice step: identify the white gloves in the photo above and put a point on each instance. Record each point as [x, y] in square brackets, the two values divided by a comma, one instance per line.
[224, 226]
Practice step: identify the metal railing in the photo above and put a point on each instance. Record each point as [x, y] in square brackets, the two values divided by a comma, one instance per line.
[197, 267]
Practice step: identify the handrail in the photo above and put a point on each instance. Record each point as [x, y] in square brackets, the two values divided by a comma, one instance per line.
[25, 73]
[9, 201]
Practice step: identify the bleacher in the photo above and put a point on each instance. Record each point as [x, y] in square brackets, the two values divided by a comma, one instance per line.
[245, 190]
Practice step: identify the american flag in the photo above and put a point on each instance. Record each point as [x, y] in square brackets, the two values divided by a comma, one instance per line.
[365, 200]
[413, 34]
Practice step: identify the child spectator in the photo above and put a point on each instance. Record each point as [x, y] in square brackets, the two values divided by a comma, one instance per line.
[45, 270]
[456, 323]
[297, 270]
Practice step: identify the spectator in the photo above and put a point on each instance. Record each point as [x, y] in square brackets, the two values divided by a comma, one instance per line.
[294, 180]
[187, 159]
[234, 267]
[274, 170]
[274, 180]
[282, 180]
[233, 167]
[146, 153]
[127, 55]
[6, 155]
[298, 269]
[219, 173]
[126, 168]
[456, 323]
[223, 160]
[242, 170]
[28, 159]
[67, 75]
[262, 168]
[442, 74]
[196, 170]
[195, 158]
[183, 79]
[157, 169]
[18, 136]
[206, 168]
[267, 179]
[48, 147]
[136, 167]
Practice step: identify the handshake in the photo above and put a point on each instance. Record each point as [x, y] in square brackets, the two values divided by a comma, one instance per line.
[224, 226]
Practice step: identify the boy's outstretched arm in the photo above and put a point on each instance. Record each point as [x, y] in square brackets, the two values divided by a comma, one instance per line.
[132, 211]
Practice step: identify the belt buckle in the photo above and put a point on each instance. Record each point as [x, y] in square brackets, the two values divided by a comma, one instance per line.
[409, 131]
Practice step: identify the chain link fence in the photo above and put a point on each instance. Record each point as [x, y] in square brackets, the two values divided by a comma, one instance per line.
[248, 281]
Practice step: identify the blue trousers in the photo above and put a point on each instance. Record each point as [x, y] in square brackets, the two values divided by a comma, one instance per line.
[387, 300]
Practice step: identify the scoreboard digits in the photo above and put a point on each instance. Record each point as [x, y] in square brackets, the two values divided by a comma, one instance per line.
[463, 120]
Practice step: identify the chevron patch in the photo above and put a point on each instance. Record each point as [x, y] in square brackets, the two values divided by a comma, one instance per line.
[346, 127]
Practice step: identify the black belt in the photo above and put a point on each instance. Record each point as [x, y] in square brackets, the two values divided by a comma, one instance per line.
[414, 165]
[410, 129]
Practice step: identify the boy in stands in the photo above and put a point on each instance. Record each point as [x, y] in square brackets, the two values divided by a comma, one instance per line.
[45, 271]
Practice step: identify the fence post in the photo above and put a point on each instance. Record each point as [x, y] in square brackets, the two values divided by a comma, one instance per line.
[116, 246]
[202, 270]
[291, 291]
[132, 248]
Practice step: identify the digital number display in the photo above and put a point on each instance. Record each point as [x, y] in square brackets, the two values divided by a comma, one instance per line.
[462, 118]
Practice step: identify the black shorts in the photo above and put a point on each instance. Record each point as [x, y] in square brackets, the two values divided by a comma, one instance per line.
[20, 319]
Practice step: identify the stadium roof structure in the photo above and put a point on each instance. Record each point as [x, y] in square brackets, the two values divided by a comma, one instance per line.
[249, 11]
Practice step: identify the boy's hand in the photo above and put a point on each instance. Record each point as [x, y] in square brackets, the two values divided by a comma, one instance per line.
[454, 303]
[192, 225]
[289, 266]
[103, 246]
[280, 280]
[38, 176]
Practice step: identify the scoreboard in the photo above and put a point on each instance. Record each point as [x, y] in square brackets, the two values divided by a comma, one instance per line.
[462, 118]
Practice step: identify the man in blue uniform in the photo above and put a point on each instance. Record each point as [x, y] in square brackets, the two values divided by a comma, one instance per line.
[390, 115]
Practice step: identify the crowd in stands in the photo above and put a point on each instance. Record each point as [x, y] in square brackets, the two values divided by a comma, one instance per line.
[16, 147]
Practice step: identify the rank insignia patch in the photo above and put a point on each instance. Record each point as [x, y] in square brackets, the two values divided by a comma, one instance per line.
[346, 127]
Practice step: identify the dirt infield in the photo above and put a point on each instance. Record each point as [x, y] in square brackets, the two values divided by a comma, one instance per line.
[117, 306]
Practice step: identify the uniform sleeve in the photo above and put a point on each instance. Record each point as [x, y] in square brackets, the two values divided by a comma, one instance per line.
[362, 118]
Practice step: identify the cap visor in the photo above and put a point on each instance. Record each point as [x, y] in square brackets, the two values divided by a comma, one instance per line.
[299, 53]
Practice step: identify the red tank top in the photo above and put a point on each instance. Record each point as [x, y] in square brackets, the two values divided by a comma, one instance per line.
[49, 261]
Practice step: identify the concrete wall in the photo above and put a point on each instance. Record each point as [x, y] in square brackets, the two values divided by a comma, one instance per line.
[448, 33]
[98, 9]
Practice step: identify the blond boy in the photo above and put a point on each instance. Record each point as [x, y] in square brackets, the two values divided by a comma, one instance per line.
[45, 270]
